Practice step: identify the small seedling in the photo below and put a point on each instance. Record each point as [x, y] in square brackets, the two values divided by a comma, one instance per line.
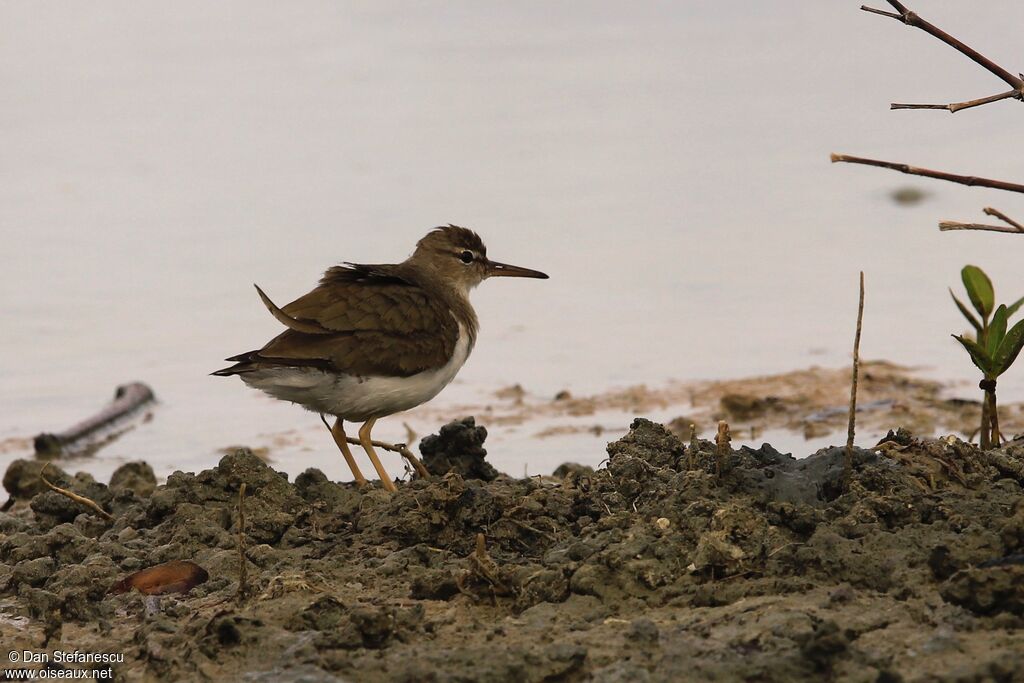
[994, 348]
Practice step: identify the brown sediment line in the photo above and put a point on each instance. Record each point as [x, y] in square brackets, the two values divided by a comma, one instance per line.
[813, 401]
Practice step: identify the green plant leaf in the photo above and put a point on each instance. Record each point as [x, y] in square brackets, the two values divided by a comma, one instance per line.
[1012, 308]
[967, 312]
[996, 331]
[979, 289]
[1007, 352]
[978, 355]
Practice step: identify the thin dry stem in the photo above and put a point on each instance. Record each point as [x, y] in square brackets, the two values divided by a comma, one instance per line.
[909, 18]
[691, 448]
[997, 437]
[242, 566]
[985, 433]
[973, 181]
[483, 564]
[848, 461]
[881, 12]
[400, 448]
[1014, 227]
[956, 225]
[989, 211]
[723, 440]
[91, 504]
[959, 106]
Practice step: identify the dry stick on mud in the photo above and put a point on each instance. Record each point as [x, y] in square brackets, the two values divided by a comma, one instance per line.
[848, 460]
[906, 16]
[691, 448]
[402, 449]
[242, 569]
[92, 505]
[722, 440]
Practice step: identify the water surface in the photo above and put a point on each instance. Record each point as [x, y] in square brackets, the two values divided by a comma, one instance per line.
[666, 163]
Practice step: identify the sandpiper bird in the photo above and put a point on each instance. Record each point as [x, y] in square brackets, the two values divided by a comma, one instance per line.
[374, 340]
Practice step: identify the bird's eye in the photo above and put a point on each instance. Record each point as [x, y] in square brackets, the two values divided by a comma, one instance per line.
[466, 256]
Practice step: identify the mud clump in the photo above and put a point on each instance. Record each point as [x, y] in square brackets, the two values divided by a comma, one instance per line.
[994, 587]
[572, 469]
[650, 568]
[136, 476]
[21, 480]
[458, 448]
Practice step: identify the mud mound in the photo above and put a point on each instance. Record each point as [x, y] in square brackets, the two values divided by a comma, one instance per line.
[651, 568]
[458, 448]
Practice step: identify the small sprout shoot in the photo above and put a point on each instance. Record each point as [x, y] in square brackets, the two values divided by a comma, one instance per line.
[995, 345]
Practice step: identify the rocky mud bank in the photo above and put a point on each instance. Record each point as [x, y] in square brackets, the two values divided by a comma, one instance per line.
[653, 567]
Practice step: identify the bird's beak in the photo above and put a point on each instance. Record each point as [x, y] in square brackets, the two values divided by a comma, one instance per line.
[495, 269]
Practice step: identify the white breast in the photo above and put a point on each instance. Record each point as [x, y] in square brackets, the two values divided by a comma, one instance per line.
[356, 398]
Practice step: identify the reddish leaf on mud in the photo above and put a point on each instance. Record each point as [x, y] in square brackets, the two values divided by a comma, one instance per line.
[177, 576]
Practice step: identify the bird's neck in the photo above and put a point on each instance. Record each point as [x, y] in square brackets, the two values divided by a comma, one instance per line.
[463, 312]
[455, 298]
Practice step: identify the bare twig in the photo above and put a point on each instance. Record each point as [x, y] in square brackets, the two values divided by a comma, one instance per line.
[399, 448]
[483, 565]
[882, 12]
[1016, 83]
[242, 565]
[909, 18]
[691, 448]
[848, 460]
[1006, 465]
[960, 106]
[1014, 227]
[723, 447]
[973, 181]
[524, 525]
[91, 504]
[783, 547]
[989, 211]
[956, 225]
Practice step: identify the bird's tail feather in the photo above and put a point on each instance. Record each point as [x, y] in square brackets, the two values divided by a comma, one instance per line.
[244, 364]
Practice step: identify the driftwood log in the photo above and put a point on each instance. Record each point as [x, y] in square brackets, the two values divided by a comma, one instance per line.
[127, 399]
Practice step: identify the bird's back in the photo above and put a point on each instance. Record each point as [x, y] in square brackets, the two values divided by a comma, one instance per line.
[364, 320]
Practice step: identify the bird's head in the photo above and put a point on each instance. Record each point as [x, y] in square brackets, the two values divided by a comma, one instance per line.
[458, 256]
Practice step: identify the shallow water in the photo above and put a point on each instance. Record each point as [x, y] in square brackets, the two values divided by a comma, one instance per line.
[666, 164]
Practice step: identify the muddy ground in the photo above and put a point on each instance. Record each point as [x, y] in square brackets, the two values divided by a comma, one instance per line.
[657, 567]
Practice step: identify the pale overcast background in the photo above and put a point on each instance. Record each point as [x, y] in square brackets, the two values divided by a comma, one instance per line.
[666, 164]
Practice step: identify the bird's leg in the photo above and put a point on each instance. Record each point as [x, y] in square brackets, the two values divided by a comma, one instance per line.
[364, 439]
[338, 432]
[403, 450]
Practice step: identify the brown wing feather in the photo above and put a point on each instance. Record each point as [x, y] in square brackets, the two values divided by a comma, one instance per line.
[375, 322]
[287, 320]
